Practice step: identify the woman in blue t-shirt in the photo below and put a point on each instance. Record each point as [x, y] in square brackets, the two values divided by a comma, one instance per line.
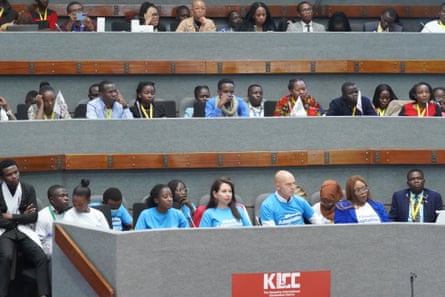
[222, 209]
[161, 214]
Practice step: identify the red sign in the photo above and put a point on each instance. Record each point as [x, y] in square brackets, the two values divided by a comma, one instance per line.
[282, 284]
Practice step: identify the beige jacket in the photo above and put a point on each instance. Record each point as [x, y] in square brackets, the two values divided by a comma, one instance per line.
[188, 25]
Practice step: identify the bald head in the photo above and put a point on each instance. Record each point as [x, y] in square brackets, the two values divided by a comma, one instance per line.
[285, 184]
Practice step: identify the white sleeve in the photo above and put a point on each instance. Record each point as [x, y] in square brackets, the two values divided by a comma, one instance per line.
[316, 219]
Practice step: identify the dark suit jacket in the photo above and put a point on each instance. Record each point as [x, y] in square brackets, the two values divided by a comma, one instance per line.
[400, 205]
[28, 197]
[372, 27]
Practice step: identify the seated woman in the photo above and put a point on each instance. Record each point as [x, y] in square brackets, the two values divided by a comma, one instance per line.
[258, 19]
[383, 95]
[181, 200]
[145, 106]
[202, 94]
[339, 22]
[330, 194]
[424, 105]
[49, 106]
[160, 213]
[149, 15]
[81, 213]
[222, 210]
[287, 105]
[358, 206]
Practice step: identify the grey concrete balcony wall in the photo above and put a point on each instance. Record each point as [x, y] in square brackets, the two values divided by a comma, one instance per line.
[363, 260]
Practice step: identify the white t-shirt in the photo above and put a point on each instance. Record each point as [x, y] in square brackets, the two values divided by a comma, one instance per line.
[433, 27]
[367, 215]
[316, 208]
[94, 218]
[3, 115]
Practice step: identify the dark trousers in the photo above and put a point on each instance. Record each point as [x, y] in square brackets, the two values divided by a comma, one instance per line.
[14, 239]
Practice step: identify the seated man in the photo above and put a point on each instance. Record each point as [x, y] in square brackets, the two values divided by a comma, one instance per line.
[255, 101]
[284, 208]
[59, 201]
[234, 21]
[198, 22]
[120, 217]
[436, 26]
[182, 12]
[417, 203]
[306, 12]
[18, 209]
[389, 22]
[78, 20]
[45, 17]
[109, 105]
[226, 104]
[7, 16]
[351, 103]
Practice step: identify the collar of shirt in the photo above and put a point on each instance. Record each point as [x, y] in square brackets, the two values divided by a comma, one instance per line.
[281, 199]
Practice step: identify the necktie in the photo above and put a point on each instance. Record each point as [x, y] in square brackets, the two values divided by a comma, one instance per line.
[308, 28]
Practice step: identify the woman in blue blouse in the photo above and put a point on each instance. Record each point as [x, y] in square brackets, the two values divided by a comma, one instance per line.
[358, 206]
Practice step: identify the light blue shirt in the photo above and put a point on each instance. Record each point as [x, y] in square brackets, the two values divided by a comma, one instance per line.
[96, 110]
[217, 217]
[152, 219]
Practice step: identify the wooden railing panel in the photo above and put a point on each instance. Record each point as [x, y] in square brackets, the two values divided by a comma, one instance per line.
[170, 67]
[250, 159]
[40, 163]
[137, 161]
[83, 265]
[87, 162]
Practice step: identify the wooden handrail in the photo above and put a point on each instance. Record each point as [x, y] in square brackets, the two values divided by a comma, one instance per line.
[82, 263]
[123, 67]
[277, 11]
[251, 159]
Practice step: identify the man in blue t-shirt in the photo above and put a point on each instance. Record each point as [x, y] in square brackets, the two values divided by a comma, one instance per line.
[120, 217]
[284, 208]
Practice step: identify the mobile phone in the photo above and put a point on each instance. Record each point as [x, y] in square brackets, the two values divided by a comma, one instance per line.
[81, 16]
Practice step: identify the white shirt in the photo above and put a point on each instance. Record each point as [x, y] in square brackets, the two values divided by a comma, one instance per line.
[367, 215]
[44, 227]
[94, 218]
[433, 27]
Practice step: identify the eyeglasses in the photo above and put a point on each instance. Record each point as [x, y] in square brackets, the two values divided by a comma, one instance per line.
[361, 190]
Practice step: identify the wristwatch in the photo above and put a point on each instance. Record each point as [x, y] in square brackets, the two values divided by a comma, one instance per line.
[9, 113]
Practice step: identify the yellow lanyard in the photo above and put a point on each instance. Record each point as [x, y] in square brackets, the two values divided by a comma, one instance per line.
[415, 209]
[1, 12]
[354, 110]
[381, 112]
[420, 113]
[145, 112]
[442, 25]
[380, 29]
[45, 117]
[43, 18]
[108, 113]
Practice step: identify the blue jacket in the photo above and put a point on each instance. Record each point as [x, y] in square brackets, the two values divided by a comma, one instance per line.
[345, 212]
[400, 205]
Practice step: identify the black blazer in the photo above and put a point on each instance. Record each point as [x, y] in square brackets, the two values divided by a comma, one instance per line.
[28, 197]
